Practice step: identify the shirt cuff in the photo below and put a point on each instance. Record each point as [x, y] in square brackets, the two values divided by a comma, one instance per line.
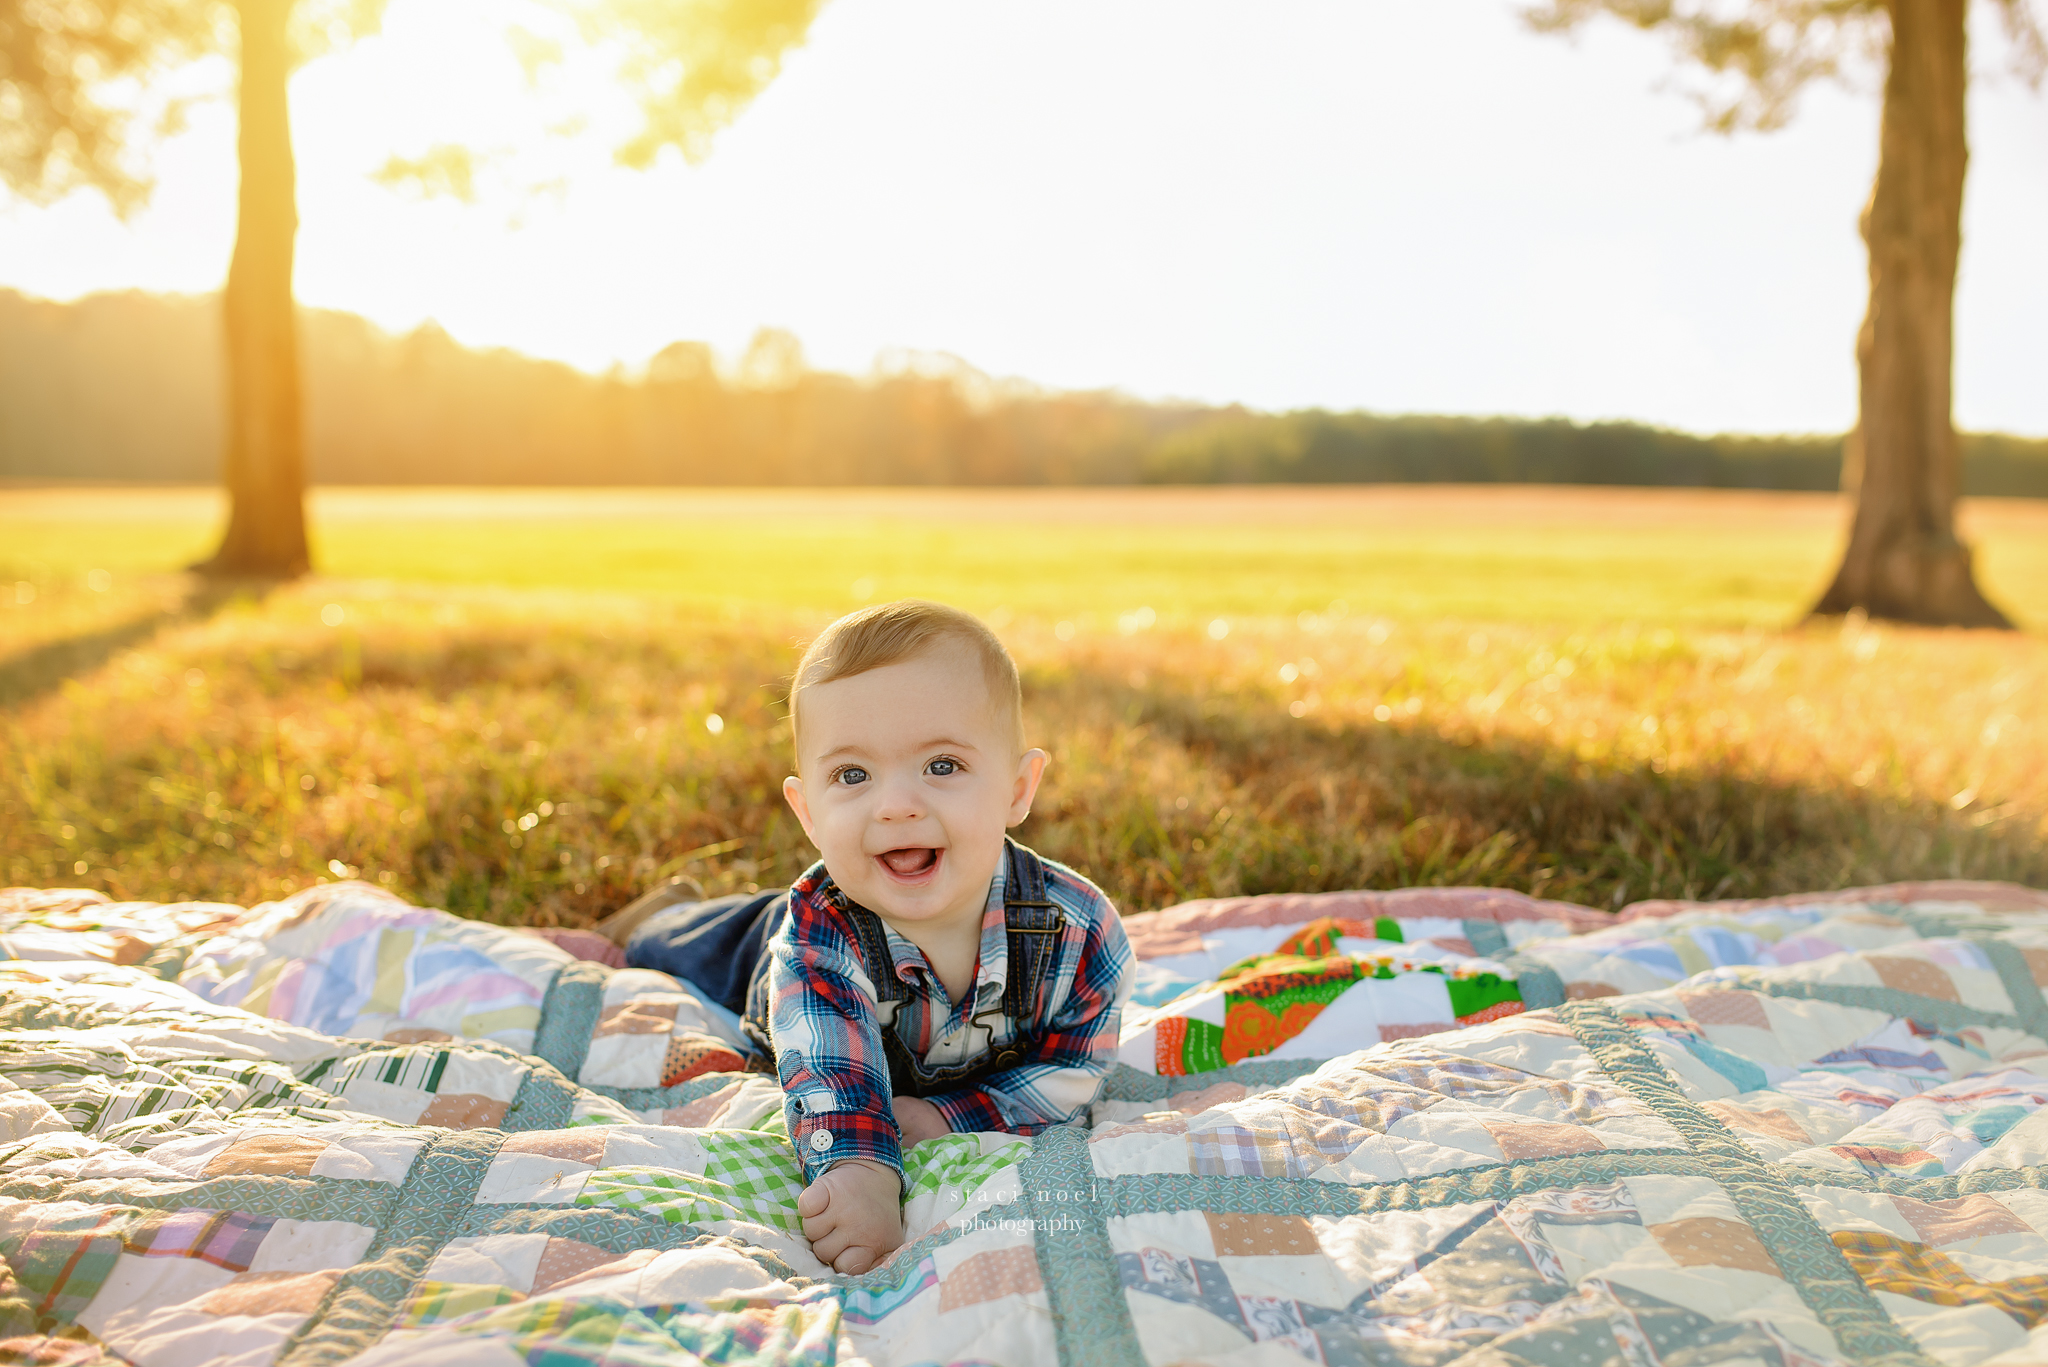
[825, 1140]
[969, 1111]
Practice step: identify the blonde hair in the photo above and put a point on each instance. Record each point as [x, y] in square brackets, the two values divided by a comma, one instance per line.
[890, 633]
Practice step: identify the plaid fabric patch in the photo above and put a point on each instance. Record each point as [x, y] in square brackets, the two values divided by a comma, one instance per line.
[1925, 1274]
[802, 1332]
[439, 1302]
[64, 1261]
[747, 1176]
[955, 1161]
[1237, 1151]
[63, 1264]
[1462, 1078]
[225, 1238]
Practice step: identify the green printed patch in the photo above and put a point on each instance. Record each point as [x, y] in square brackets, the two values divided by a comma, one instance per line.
[1479, 993]
[1268, 999]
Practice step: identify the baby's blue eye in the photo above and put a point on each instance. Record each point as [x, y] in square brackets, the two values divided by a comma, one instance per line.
[851, 775]
[942, 768]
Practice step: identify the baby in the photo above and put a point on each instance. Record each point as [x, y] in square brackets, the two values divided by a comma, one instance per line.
[929, 974]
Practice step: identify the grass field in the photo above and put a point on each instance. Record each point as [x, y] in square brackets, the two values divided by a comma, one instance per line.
[503, 701]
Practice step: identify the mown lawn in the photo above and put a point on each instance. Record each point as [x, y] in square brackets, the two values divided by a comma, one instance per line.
[503, 702]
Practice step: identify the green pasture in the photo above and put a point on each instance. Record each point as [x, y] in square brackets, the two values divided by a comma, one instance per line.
[527, 705]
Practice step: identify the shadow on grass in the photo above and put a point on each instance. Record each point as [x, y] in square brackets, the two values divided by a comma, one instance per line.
[42, 669]
[1277, 804]
[546, 772]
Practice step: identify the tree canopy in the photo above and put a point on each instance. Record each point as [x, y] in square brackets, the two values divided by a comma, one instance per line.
[76, 76]
[1758, 55]
[1903, 460]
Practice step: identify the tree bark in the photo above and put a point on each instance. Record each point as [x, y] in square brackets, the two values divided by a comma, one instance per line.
[264, 465]
[1902, 462]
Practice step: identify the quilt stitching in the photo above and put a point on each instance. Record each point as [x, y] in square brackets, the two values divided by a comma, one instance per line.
[1069, 1208]
[360, 1307]
[1811, 1262]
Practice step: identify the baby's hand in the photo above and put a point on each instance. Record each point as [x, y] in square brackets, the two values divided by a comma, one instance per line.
[918, 1120]
[853, 1215]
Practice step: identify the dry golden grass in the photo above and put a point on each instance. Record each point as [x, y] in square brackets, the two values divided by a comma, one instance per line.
[541, 753]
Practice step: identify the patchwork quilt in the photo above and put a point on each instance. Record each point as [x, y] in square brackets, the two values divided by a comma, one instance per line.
[1430, 1127]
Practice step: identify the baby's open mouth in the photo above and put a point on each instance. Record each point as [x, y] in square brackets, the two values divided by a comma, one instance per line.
[911, 861]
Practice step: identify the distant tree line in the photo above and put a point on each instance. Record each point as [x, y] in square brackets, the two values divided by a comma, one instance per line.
[126, 387]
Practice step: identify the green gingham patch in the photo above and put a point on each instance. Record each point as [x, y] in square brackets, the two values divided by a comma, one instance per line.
[746, 1176]
[956, 1161]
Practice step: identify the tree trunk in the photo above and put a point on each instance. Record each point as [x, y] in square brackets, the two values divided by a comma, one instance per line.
[1902, 462]
[265, 461]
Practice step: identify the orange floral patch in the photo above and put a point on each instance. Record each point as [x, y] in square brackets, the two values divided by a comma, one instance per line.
[1251, 1029]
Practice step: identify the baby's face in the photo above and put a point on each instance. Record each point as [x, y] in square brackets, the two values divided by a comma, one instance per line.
[908, 777]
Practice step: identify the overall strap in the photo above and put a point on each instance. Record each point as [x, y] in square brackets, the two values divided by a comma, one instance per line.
[873, 939]
[1035, 924]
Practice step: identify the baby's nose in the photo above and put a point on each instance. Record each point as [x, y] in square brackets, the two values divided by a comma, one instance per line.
[900, 802]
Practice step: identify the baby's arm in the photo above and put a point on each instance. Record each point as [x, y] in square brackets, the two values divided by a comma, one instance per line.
[919, 1120]
[835, 1081]
[853, 1215]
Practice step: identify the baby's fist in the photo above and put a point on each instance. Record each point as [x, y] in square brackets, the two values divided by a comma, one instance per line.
[853, 1215]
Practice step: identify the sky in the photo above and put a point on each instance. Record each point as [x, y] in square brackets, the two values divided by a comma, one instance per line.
[1352, 204]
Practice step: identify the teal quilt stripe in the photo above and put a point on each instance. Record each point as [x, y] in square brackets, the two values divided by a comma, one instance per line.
[1538, 983]
[1945, 1188]
[282, 1197]
[1487, 938]
[1126, 1083]
[1090, 1316]
[681, 1094]
[2018, 980]
[1888, 1000]
[1305, 1196]
[438, 1191]
[568, 1015]
[1804, 1253]
[1927, 925]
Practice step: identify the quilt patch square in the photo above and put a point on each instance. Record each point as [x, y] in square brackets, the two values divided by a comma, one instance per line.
[991, 1275]
[287, 1155]
[566, 1259]
[1966, 1217]
[1255, 1236]
[270, 1293]
[692, 1055]
[576, 1146]
[639, 1016]
[1719, 1006]
[1709, 1241]
[1525, 1139]
[1918, 976]
[464, 1111]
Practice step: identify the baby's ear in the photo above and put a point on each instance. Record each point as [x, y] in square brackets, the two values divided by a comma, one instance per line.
[793, 794]
[1030, 769]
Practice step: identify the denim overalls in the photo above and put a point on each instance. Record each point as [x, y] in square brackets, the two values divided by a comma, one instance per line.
[720, 947]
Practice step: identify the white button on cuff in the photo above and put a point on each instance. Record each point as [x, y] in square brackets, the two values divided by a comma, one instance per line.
[821, 1140]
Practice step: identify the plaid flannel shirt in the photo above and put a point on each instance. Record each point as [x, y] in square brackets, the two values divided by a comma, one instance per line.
[826, 1023]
